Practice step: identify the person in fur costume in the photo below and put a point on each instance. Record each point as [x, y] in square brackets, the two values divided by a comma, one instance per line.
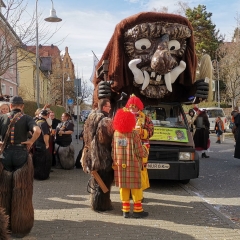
[96, 155]
[151, 55]
[127, 154]
[144, 126]
[16, 168]
[3, 225]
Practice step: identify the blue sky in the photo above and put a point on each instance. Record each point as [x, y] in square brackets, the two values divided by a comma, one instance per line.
[89, 24]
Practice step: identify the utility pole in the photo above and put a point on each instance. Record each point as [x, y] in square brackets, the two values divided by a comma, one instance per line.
[77, 114]
[77, 86]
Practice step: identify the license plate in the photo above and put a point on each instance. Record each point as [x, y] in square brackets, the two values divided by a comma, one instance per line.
[158, 166]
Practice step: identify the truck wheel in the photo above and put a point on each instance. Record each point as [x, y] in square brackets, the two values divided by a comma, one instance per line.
[185, 181]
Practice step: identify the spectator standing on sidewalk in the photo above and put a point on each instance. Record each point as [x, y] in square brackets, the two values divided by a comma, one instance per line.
[237, 135]
[219, 127]
[201, 135]
[234, 115]
[42, 159]
[55, 122]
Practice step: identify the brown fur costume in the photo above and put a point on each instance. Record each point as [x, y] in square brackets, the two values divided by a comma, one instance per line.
[65, 156]
[97, 156]
[3, 225]
[120, 50]
[16, 197]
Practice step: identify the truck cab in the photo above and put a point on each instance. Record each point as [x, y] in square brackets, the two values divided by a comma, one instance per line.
[172, 153]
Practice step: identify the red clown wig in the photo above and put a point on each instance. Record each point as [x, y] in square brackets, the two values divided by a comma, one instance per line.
[124, 121]
[135, 102]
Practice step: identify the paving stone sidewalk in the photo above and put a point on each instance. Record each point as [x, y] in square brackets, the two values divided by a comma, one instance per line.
[62, 211]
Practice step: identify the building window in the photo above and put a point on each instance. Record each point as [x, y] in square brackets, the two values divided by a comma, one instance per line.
[11, 59]
[3, 89]
[3, 52]
[67, 64]
[11, 91]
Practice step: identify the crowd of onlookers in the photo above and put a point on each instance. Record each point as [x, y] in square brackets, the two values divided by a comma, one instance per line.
[58, 140]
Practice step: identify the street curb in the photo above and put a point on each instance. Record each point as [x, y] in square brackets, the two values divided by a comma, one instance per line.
[193, 192]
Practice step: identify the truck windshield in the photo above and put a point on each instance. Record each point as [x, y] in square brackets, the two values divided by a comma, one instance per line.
[166, 115]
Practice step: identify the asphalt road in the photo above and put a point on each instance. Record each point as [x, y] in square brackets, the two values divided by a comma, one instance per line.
[218, 183]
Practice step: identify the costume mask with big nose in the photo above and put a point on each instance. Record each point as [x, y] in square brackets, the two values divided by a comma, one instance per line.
[155, 51]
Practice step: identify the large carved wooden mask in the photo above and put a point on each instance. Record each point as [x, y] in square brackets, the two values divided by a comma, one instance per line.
[155, 51]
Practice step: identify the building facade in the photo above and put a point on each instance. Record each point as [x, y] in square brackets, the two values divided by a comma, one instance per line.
[60, 71]
[9, 43]
[27, 85]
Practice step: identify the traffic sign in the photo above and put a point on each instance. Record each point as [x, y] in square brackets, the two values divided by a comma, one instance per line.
[70, 101]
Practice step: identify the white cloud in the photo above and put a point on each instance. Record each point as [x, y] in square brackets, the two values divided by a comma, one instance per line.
[86, 32]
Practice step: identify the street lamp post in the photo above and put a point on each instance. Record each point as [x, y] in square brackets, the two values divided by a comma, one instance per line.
[78, 94]
[63, 90]
[52, 18]
[218, 85]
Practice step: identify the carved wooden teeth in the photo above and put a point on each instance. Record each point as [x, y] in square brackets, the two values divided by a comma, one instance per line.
[153, 74]
[158, 79]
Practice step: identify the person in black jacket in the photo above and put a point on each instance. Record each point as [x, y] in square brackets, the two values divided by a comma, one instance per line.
[42, 160]
[201, 135]
[16, 169]
[55, 122]
[237, 135]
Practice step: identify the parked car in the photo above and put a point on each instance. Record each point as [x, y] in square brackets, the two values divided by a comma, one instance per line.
[213, 113]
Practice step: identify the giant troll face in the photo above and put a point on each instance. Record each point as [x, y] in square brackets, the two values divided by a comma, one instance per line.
[156, 51]
[152, 55]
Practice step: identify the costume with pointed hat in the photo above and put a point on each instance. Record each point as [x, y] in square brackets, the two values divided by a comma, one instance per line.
[144, 126]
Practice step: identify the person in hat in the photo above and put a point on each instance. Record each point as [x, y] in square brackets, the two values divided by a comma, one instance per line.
[127, 153]
[41, 155]
[145, 128]
[16, 169]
